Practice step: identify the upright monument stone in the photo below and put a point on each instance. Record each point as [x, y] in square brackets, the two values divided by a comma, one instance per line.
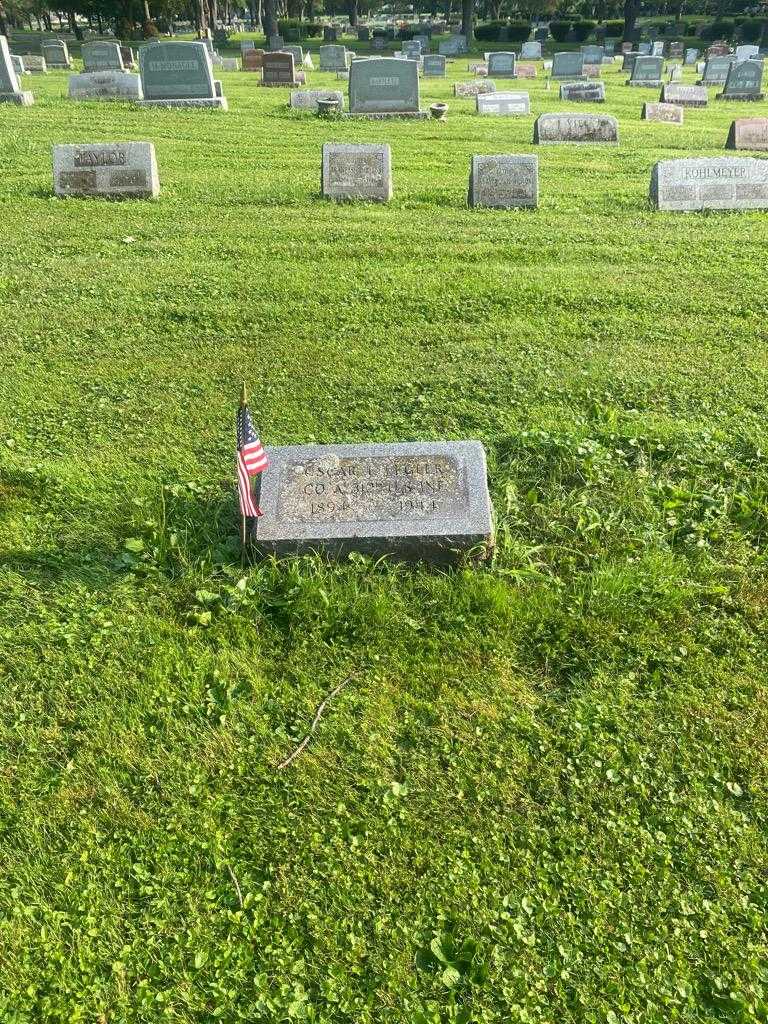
[333, 58]
[501, 64]
[647, 71]
[178, 74]
[744, 82]
[10, 90]
[568, 65]
[56, 55]
[384, 87]
[102, 56]
[710, 183]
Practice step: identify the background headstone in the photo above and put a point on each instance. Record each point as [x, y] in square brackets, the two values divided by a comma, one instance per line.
[306, 99]
[178, 74]
[102, 56]
[568, 65]
[581, 128]
[434, 65]
[104, 85]
[583, 92]
[473, 88]
[501, 64]
[531, 51]
[716, 71]
[685, 95]
[333, 58]
[509, 104]
[278, 69]
[504, 181]
[670, 113]
[384, 85]
[744, 81]
[10, 90]
[56, 54]
[647, 71]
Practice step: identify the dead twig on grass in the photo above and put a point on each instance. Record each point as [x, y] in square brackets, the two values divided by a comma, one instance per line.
[318, 715]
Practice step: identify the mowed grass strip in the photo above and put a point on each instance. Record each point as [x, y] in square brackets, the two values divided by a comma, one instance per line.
[543, 795]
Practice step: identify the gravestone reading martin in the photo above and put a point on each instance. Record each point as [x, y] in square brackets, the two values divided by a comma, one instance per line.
[583, 92]
[505, 181]
[502, 104]
[748, 133]
[357, 171]
[647, 71]
[10, 90]
[123, 170]
[424, 500]
[710, 183]
[178, 74]
[333, 58]
[56, 55]
[102, 56]
[568, 64]
[670, 113]
[434, 65]
[554, 128]
[685, 95]
[501, 64]
[104, 85]
[307, 99]
[744, 82]
[384, 87]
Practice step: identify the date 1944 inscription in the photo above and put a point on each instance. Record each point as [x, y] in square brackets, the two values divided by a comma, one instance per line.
[371, 488]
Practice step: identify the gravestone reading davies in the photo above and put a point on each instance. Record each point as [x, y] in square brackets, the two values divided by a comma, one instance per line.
[685, 95]
[10, 90]
[357, 171]
[583, 92]
[647, 71]
[102, 56]
[178, 74]
[434, 65]
[501, 64]
[423, 500]
[710, 183]
[385, 87]
[568, 65]
[104, 85]
[670, 113]
[552, 128]
[505, 181]
[124, 170]
[744, 82]
[504, 103]
[748, 133]
[333, 58]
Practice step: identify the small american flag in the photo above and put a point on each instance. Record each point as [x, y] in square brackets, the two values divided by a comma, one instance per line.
[251, 460]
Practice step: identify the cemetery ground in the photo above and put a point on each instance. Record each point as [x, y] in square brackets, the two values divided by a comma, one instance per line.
[541, 796]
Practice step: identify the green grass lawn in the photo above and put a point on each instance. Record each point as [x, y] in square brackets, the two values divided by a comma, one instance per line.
[543, 797]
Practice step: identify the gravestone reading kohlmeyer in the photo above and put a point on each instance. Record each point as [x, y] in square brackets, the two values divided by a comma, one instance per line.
[124, 170]
[178, 74]
[357, 171]
[384, 87]
[333, 58]
[670, 113]
[307, 99]
[56, 55]
[716, 71]
[583, 92]
[434, 65]
[501, 64]
[744, 82]
[102, 56]
[553, 128]
[278, 69]
[505, 181]
[710, 183]
[531, 51]
[504, 104]
[567, 65]
[104, 85]
[10, 90]
[685, 95]
[748, 133]
[423, 500]
[647, 71]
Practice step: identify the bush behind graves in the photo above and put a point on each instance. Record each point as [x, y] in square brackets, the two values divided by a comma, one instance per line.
[751, 29]
[559, 30]
[720, 28]
[614, 29]
[583, 30]
[518, 31]
[491, 31]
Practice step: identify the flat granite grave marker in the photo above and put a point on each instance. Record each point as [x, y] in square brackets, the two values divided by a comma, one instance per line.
[104, 85]
[647, 71]
[35, 64]
[384, 87]
[56, 55]
[178, 74]
[504, 181]
[10, 90]
[531, 51]
[670, 113]
[307, 99]
[526, 70]
[423, 500]
[509, 104]
[710, 183]
[685, 95]
[563, 127]
[583, 92]
[474, 88]
[744, 82]
[102, 56]
[568, 64]
[357, 171]
[123, 170]
[333, 58]
[434, 65]
[501, 64]
[748, 133]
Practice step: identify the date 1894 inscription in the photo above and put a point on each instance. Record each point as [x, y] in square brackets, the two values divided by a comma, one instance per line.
[372, 488]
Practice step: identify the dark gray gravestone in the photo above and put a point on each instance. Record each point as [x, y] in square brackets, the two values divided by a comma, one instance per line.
[278, 69]
[541, 35]
[744, 82]
[716, 71]
[178, 74]
[647, 71]
[710, 183]
[628, 61]
[102, 56]
[691, 56]
[749, 133]
[501, 64]
[363, 34]
[593, 54]
[10, 90]
[383, 87]
[415, 501]
[567, 65]
[583, 92]
[505, 181]
[330, 34]
[434, 65]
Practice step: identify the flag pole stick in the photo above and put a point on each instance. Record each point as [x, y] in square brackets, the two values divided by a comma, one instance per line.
[243, 527]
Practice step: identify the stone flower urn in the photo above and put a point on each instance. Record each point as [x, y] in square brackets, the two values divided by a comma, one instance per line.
[438, 111]
[327, 107]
